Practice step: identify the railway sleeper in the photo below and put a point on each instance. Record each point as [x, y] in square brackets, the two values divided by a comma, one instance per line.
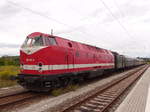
[102, 99]
[98, 103]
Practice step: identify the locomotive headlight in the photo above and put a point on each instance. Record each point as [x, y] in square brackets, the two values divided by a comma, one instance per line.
[40, 67]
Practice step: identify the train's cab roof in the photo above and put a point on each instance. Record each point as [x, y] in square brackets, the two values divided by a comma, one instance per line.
[37, 34]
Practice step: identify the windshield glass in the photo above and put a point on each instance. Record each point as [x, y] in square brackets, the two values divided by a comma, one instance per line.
[36, 41]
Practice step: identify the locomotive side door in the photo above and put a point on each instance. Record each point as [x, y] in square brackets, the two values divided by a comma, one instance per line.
[70, 57]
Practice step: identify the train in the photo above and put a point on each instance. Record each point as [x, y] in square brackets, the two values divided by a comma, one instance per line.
[49, 62]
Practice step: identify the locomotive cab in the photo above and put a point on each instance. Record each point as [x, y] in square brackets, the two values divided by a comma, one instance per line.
[39, 41]
[34, 43]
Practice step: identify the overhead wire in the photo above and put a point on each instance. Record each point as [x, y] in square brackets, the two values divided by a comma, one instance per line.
[122, 15]
[38, 13]
[111, 13]
[120, 11]
[50, 18]
[123, 27]
[69, 26]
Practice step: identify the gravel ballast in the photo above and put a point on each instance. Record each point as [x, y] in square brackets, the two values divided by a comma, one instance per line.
[11, 90]
[53, 104]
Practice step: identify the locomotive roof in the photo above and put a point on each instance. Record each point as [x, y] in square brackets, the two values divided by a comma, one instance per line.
[35, 34]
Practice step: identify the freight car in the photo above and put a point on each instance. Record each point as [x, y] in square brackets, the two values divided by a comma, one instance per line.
[49, 61]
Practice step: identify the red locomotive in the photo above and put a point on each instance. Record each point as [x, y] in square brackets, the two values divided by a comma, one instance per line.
[49, 61]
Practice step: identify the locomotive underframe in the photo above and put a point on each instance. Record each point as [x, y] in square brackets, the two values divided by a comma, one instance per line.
[48, 82]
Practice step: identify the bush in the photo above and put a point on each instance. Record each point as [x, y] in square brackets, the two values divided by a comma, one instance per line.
[7, 83]
[5, 73]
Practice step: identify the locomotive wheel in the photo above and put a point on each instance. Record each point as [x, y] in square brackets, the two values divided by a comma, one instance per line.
[64, 82]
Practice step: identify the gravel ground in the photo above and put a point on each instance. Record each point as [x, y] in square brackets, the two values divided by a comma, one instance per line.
[11, 90]
[53, 103]
[115, 105]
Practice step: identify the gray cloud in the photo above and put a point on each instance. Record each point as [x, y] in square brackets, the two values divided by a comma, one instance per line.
[91, 23]
[134, 10]
[8, 10]
[7, 13]
[4, 45]
[147, 20]
[93, 14]
[128, 10]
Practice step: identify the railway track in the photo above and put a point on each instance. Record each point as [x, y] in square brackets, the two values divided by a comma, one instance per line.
[97, 102]
[107, 95]
[14, 98]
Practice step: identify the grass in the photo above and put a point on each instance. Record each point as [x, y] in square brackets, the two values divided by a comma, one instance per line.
[60, 91]
[5, 73]
[7, 83]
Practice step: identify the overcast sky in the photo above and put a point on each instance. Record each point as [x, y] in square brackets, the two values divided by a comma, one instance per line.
[118, 25]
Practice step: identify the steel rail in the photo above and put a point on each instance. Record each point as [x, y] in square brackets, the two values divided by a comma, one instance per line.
[14, 98]
[108, 94]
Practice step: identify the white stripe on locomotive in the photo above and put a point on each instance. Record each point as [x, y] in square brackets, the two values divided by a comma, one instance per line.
[64, 66]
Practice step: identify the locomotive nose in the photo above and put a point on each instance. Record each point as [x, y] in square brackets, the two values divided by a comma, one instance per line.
[32, 44]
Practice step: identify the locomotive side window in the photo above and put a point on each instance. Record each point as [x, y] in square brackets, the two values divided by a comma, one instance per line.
[52, 41]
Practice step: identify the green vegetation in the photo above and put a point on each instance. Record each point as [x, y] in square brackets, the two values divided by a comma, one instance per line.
[9, 60]
[5, 73]
[7, 83]
[145, 59]
[9, 66]
[60, 91]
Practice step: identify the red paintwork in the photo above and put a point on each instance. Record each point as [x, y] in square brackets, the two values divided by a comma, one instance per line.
[35, 34]
[57, 55]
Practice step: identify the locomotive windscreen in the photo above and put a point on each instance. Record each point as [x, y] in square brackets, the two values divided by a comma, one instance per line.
[36, 41]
